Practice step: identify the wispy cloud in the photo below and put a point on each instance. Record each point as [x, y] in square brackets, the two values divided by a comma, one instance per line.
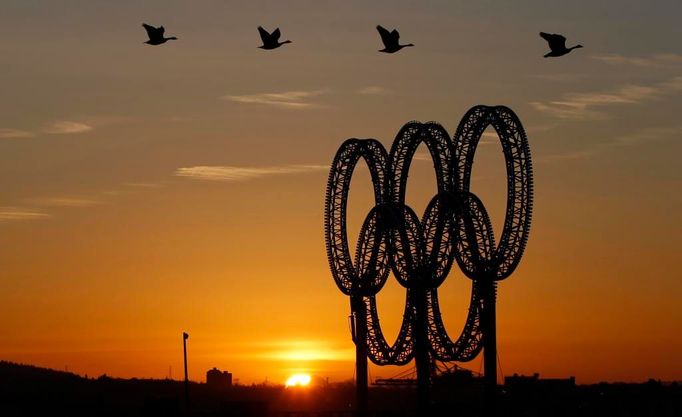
[65, 202]
[234, 174]
[288, 99]
[657, 60]
[559, 77]
[8, 214]
[42, 207]
[144, 184]
[583, 106]
[672, 85]
[540, 128]
[65, 127]
[488, 137]
[650, 134]
[14, 134]
[134, 187]
[374, 90]
[646, 135]
[422, 156]
[567, 156]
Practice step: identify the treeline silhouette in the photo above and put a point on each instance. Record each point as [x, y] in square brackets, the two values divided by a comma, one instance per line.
[32, 391]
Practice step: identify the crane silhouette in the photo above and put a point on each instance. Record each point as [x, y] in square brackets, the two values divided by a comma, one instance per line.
[557, 44]
[270, 40]
[156, 35]
[390, 40]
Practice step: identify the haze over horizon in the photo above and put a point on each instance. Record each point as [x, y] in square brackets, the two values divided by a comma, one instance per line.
[149, 190]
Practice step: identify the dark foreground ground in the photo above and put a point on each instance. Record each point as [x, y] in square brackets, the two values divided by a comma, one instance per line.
[32, 391]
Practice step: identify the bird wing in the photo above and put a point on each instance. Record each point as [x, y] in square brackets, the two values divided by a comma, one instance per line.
[151, 30]
[264, 34]
[386, 37]
[161, 30]
[546, 36]
[554, 40]
[276, 34]
[395, 35]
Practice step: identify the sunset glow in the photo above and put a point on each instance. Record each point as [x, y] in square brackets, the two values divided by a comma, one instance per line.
[298, 380]
[150, 190]
[309, 351]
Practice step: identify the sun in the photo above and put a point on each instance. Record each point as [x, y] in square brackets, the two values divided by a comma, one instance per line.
[298, 380]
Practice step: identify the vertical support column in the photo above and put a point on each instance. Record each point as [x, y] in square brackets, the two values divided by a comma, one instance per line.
[185, 336]
[488, 322]
[359, 329]
[421, 352]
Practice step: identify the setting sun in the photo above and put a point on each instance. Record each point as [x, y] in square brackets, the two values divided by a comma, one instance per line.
[298, 380]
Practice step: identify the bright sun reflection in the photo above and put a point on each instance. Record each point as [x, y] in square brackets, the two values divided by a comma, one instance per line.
[298, 380]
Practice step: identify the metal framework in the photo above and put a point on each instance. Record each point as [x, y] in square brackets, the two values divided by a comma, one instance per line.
[421, 252]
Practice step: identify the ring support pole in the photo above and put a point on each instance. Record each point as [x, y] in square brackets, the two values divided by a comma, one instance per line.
[360, 339]
[489, 348]
[422, 356]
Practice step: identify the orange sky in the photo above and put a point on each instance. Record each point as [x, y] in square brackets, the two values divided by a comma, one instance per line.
[115, 237]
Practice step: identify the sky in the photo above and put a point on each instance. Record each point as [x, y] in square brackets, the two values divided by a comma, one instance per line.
[146, 191]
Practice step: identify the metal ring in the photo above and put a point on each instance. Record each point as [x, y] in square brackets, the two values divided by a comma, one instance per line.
[420, 252]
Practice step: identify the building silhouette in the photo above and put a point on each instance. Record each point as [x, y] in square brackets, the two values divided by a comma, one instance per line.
[534, 381]
[215, 378]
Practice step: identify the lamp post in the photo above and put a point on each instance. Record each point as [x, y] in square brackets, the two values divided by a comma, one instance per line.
[185, 336]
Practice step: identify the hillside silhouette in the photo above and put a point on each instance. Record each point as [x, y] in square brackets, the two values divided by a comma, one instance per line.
[32, 391]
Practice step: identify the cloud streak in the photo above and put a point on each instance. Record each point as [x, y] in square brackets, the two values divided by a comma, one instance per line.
[584, 106]
[287, 100]
[559, 77]
[66, 127]
[61, 127]
[143, 184]
[373, 90]
[66, 202]
[8, 214]
[236, 174]
[657, 60]
[642, 136]
[14, 134]
[42, 207]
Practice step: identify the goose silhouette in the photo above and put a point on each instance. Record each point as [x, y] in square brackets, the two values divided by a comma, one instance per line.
[156, 35]
[557, 44]
[270, 40]
[390, 40]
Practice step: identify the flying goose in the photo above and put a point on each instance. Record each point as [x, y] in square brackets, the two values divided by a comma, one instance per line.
[270, 40]
[557, 43]
[390, 40]
[156, 35]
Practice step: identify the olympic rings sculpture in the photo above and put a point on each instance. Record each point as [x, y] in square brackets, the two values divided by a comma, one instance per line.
[421, 252]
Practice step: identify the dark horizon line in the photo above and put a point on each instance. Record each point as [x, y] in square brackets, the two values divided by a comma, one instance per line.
[86, 377]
